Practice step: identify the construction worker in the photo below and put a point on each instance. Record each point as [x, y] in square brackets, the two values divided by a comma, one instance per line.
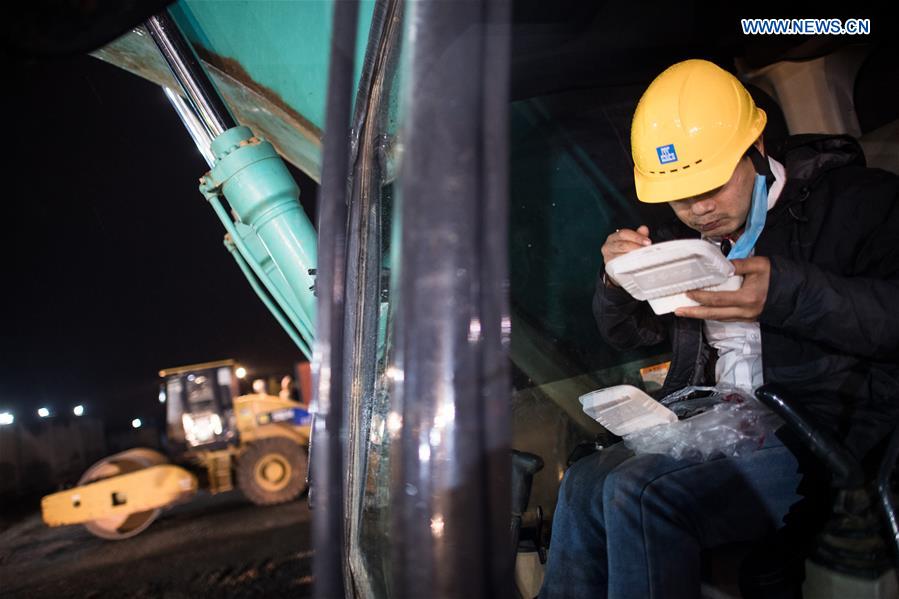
[259, 387]
[817, 236]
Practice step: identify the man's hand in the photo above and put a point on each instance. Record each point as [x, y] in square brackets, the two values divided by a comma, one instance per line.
[743, 305]
[623, 241]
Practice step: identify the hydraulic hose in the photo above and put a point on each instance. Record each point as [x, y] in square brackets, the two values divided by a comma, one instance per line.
[260, 292]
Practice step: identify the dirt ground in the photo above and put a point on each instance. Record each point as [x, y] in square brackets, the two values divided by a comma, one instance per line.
[220, 546]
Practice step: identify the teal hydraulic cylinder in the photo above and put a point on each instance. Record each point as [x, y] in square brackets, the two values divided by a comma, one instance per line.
[262, 194]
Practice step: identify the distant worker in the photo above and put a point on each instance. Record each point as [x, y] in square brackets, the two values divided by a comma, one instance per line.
[289, 390]
[819, 236]
[259, 386]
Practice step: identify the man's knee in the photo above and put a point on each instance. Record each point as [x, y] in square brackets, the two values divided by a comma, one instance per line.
[579, 482]
[622, 489]
[582, 485]
[638, 482]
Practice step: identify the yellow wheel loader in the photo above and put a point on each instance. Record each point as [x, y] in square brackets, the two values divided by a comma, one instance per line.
[213, 434]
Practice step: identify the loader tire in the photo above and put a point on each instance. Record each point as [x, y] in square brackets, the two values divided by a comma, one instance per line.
[272, 471]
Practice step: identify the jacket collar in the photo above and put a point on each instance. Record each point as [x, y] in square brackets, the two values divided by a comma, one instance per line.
[808, 157]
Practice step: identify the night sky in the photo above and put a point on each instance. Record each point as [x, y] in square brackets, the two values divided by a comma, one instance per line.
[114, 265]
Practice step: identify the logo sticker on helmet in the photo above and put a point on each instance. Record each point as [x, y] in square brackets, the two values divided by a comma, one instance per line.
[666, 154]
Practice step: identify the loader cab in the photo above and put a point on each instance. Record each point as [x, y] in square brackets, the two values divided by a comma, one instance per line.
[199, 403]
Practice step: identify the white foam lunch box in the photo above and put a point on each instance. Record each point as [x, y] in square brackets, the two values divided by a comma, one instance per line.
[662, 273]
[625, 409]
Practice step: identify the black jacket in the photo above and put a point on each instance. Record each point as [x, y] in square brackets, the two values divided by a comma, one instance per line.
[830, 326]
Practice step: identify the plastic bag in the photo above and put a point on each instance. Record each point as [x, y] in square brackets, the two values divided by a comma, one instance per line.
[716, 421]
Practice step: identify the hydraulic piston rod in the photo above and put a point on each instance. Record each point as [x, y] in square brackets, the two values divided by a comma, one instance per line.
[181, 58]
[249, 174]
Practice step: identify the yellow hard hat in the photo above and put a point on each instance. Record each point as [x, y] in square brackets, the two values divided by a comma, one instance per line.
[692, 125]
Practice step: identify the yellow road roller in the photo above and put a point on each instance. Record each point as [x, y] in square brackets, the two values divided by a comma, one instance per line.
[213, 435]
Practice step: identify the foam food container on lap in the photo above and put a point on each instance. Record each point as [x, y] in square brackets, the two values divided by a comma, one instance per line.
[625, 409]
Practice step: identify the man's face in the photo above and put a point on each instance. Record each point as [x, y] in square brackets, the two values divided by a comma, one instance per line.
[721, 211]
